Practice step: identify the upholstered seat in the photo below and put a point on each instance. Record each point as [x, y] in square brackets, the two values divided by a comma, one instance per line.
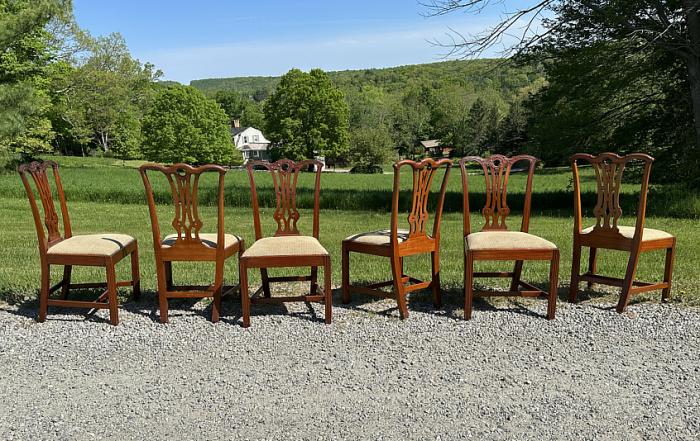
[628, 233]
[286, 246]
[506, 240]
[208, 240]
[379, 237]
[92, 245]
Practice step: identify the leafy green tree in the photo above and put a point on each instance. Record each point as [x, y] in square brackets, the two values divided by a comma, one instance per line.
[371, 146]
[307, 116]
[412, 117]
[104, 98]
[240, 107]
[26, 52]
[183, 125]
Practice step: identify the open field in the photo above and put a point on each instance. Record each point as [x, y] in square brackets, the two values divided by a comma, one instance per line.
[115, 181]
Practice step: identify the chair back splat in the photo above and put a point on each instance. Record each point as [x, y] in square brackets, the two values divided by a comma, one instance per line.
[285, 175]
[423, 175]
[497, 170]
[609, 168]
[49, 221]
[183, 181]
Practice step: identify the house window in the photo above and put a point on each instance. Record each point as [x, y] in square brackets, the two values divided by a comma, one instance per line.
[245, 139]
[256, 138]
[255, 153]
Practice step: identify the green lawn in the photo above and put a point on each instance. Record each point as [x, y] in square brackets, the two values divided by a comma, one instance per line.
[84, 180]
[19, 266]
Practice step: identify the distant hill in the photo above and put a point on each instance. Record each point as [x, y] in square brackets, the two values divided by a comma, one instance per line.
[496, 75]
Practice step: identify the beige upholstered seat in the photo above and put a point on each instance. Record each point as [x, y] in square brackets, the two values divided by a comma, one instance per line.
[379, 237]
[208, 240]
[286, 246]
[506, 240]
[628, 233]
[92, 245]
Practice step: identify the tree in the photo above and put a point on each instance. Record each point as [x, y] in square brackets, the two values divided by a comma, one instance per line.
[26, 51]
[635, 29]
[412, 119]
[370, 146]
[183, 125]
[238, 106]
[103, 97]
[306, 116]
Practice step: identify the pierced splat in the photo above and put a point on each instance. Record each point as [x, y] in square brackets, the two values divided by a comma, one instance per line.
[284, 177]
[422, 182]
[497, 169]
[285, 174]
[607, 209]
[38, 172]
[184, 189]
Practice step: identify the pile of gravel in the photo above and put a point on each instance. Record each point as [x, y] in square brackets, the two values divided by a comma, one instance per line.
[507, 374]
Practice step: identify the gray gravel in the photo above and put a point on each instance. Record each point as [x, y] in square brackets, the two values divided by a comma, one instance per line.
[507, 374]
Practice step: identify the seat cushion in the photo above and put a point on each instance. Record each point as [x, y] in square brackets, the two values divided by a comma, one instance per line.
[208, 240]
[507, 240]
[628, 233]
[92, 245]
[379, 237]
[286, 246]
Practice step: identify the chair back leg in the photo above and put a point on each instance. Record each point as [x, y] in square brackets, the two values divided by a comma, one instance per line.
[135, 274]
[468, 285]
[245, 299]
[313, 289]
[67, 270]
[553, 283]
[265, 282]
[346, 275]
[592, 257]
[327, 290]
[437, 294]
[517, 271]
[112, 294]
[668, 271]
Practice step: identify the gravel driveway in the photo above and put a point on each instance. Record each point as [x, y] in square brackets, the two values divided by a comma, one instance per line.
[590, 374]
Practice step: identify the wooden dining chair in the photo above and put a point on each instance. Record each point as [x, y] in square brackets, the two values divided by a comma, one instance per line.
[496, 242]
[288, 248]
[67, 250]
[607, 234]
[188, 244]
[397, 243]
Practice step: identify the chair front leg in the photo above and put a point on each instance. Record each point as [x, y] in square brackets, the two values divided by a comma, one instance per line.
[468, 284]
[575, 272]
[668, 271]
[437, 295]
[162, 270]
[44, 292]
[313, 289]
[346, 275]
[218, 287]
[628, 281]
[112, 294]
[67, 270]
[553, 283]
[399, 288]
[327, 290]
[245, 300]
[135, 274]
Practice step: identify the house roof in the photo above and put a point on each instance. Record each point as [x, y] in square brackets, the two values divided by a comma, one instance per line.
[430, 143]
[237, 130]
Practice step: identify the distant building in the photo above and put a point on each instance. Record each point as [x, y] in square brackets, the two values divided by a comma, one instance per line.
[433, 147]
[250, 142]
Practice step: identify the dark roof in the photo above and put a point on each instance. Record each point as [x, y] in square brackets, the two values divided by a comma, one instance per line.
[237, 130]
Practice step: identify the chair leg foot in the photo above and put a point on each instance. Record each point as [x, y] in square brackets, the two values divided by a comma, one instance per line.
[163, 301]
[216, 307]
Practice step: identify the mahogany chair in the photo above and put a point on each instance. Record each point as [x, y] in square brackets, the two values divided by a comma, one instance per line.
[607, 234]
[67, 250]
[397, 243]
[188, 244]
[495, 242]
[288, 248]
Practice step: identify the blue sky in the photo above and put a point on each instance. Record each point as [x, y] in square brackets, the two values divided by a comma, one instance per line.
[204, 39]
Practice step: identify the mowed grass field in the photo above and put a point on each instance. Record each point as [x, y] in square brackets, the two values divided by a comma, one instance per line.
[88, 185]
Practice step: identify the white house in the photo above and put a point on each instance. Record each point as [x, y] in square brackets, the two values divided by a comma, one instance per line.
[250, 141]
